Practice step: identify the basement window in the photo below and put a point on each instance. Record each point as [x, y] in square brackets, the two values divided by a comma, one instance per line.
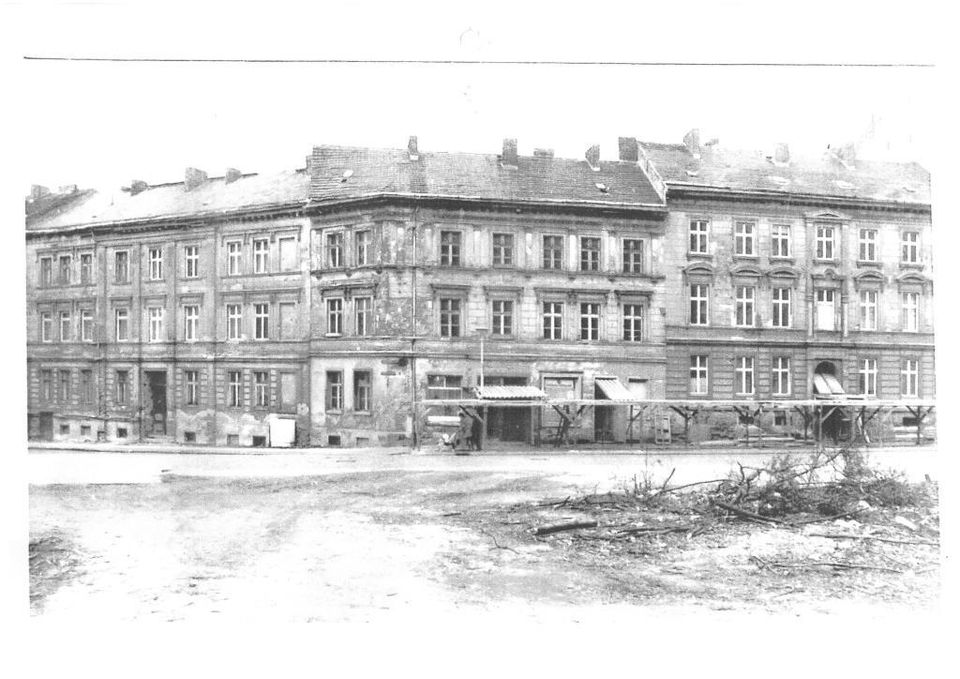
[233, 439]
[85, 430]
[189, 437]
[65, 429]
[121, 432]
[333, 440]
[779, 418]
[259, 441]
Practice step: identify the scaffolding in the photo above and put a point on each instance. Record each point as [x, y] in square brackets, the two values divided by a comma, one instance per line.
[853, 414]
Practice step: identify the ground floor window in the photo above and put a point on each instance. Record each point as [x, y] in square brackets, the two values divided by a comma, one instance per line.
[781, 376]
[444, 386]
[743, 374]
[123, 386]
[362, 390]
[191, 387]
[235, 388]
[698, 375]
[334, 390]
[910, 378]
[868, 377]
[261, 388]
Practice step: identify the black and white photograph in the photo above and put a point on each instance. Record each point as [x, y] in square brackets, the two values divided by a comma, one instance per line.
[434, 320]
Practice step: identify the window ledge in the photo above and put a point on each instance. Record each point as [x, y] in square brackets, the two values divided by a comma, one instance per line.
[751, 258]
[699, 255]
[833, 262]
[788, 259]
[868, 264]
[911, 265]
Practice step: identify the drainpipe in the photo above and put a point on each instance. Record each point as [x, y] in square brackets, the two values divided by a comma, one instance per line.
[140, 311]
[413, 326]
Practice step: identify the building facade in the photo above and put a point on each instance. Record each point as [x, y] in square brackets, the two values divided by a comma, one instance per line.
[330, 305]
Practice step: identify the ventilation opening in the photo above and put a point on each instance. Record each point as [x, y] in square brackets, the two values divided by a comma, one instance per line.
[780, 419]
[189, 437]
[259, 441]
[121, 432]
[362, 442]
[85, 430]
[908, 422]
[101, 435]
[233, 439]
[65, 429]
[333, 440]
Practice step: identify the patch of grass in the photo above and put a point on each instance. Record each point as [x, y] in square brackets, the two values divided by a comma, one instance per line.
[54, 561]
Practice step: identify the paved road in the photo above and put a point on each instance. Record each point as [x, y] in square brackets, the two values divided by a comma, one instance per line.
[589, 468]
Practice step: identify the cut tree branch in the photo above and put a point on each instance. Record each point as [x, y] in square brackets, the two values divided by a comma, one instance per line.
[560, 527]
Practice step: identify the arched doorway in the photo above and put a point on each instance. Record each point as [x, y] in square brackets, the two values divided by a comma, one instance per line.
[826, 385]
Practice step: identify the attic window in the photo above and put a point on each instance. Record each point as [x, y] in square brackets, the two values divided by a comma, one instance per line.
[602, 187]
[843, 184]
[346, 175]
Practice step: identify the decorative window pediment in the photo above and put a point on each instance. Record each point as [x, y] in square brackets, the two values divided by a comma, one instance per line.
[826, 216]
[912, 281]
[746, 271]
[868, 280]
[698, 271]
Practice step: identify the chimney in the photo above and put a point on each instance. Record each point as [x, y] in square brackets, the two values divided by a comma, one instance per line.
[509, 157]
[692, 141]
[193, 178]
[137, 186]
[593, 157]
[37, 192]
[781, 155]
[232, 175]
[412, 148]
[628, 149]
[543, 153]
[68, 188]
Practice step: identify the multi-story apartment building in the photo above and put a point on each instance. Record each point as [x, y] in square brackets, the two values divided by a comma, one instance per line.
[339, 301]
[789, 278]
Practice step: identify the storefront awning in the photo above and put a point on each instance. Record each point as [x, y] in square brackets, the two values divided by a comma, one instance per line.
[506, 393]
[827, 385]
[613, 389]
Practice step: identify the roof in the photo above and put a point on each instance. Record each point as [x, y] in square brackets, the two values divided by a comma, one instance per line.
[739, 170]
[498, 392]
[613, 389]
[173, 200]
[347, 172]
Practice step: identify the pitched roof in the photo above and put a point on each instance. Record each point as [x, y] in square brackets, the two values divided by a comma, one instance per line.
[738, 170]
[347, 172]
[213, 196]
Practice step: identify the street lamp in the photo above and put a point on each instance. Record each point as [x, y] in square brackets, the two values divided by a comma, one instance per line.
[482, 332]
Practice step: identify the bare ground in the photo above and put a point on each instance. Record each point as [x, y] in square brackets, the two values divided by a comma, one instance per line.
[367, 546]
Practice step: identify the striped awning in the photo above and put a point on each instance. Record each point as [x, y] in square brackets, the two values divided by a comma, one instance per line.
[505, 393]
[827, 385]
[613, 389]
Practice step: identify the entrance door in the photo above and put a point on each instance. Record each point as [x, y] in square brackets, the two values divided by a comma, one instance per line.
[155, 403]
[45, 426]
[510, 423]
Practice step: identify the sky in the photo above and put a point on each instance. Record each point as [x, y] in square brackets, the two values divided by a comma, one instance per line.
[103, 124]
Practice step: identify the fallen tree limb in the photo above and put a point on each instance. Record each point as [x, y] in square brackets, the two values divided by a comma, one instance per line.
[687, 485]
[769, 565]
[657, 529]
[560, 527]
[820, 519]
[496, 543]
[851, 536]
[749, 515]
[664, 486]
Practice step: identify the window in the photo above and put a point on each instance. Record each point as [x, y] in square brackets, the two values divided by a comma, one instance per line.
[288, 254]
[46, 385]
[121, 267]
[589, 253]
[743, 239]
[746, 296]
[335, 316]
[780, 240]
[86, 386]
[868, 377]
[191, 387]
[288, 321]
[261, 388]
[590, 321]
[868, 245]
[261, 254]
[743, 375]
[46, 271]
[122, 317]
[632, 255]
[633, 322]
[155, 257]
[363, 248]
[868, 309]
[64, 326]
[825, 242]
[261, 321]
[910, 247]
[191, 261]
[156, 323]
[450, 248]
[553, 320]
[449, 317]
[502, 317]
[911, 311]
[781, 376]
[86, 325]
[235, 388]
[122, 387]
[699, 298]
[698, 375]
[826, 310]
[234, 255]
[502, 249]
[46, 327]
[86, 268]
[63, 381]
[191, 319]
[234, 321]
[334, 246]
[64, 272]
[444, 387]
[698, 236]
[363, 312]
[334, 390]
[553, 252]
[362, 391]
[781, 308]
[910, 378]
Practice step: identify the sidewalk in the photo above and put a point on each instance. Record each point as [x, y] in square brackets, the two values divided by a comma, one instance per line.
[181, 449]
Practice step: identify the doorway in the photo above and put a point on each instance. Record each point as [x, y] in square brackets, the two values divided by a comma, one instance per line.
[155, 403]
[827, 385]
[508, 423]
